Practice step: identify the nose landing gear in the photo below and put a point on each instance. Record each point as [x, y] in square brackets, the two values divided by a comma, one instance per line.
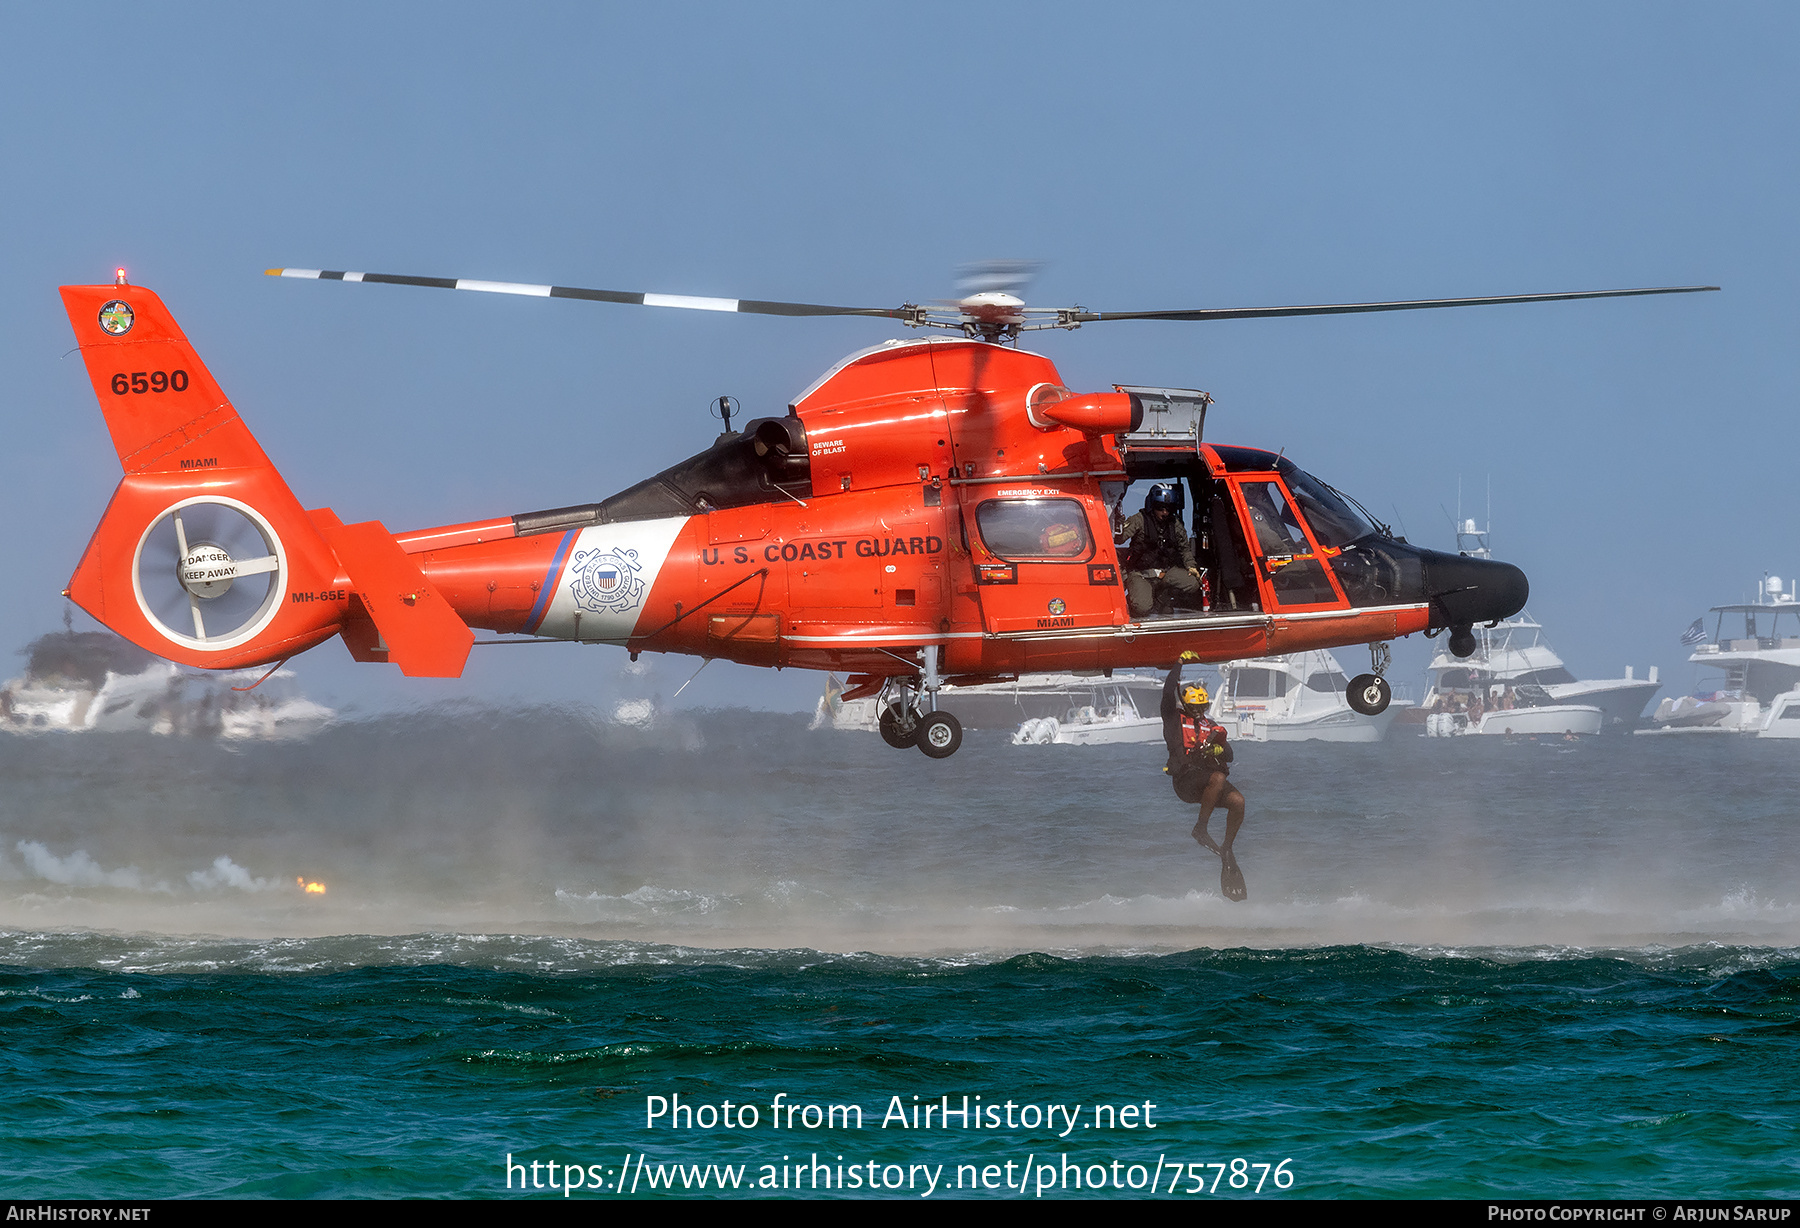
[940, 734]
[1369, 693]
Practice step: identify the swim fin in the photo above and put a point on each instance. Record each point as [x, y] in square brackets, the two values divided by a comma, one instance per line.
[1231, 879]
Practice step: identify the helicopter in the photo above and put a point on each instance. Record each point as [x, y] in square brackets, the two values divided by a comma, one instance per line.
[935, 510]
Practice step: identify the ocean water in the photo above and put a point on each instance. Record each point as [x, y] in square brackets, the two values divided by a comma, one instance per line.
[1465, 969]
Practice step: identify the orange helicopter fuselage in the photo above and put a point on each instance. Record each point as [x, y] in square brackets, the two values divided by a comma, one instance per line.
[885, 551]
[933, 508]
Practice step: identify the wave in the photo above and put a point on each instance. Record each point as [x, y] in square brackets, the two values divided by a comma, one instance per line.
[539, 955]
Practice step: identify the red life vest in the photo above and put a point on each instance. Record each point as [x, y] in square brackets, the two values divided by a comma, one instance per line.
[1198, 731]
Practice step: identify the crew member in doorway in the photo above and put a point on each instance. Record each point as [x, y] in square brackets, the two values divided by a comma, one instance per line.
[1200, 767]
[1160, 570]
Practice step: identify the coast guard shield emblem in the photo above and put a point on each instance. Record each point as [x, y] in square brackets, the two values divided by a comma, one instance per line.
[606, 581]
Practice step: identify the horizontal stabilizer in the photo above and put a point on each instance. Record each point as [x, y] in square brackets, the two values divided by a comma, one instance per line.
[424, 636]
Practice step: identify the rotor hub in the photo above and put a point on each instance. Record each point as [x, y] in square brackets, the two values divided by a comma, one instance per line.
[207, 570]
[991, 307]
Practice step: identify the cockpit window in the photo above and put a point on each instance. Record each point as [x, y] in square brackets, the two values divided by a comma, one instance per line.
[1027, 529]
[1334, 522]
[1276, 529]
[1297, 577]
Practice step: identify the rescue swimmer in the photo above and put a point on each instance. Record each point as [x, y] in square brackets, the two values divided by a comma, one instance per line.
[1199, 766]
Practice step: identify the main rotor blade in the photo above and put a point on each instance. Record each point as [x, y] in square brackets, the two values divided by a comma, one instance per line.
[1334, 309]
[744, 306]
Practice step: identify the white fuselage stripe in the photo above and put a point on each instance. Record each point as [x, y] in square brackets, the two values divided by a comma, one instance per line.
[607, 578]
[929, 637]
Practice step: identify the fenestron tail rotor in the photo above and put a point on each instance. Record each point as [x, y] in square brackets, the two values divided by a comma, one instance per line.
[992, 306]
[209, 573]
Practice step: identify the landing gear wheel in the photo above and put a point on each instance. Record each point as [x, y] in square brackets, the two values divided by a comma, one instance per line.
[1369, 694]
[939, 735]
[894, 733]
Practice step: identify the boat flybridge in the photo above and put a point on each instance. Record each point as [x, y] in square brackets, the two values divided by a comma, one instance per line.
[1515, 683]
[1760, 691]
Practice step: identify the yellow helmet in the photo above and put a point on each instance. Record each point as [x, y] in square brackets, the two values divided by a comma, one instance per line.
[1195, 696]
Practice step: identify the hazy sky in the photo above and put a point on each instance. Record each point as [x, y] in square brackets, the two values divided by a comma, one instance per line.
[1642, 453]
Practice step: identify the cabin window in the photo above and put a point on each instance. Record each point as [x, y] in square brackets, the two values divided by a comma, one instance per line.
[1053, 530]
[1327, 683]
[1258, 684]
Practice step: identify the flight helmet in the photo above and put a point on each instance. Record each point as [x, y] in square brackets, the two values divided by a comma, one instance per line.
[1163, 494]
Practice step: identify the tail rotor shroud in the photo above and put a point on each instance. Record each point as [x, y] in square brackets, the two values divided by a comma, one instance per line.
[209, 573]
[204, 556]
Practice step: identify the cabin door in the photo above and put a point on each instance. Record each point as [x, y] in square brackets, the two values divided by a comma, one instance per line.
[1044, 561]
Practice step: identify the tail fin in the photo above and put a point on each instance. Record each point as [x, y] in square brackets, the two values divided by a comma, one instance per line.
[204, 556]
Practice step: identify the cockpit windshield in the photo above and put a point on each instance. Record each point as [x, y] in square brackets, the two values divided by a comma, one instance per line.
[1334, 522]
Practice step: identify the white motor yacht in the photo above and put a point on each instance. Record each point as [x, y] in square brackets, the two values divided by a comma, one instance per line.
[1002, 705]
[1512, 668]
[1112, 717]
[1760, 691]
[77, 681]
[1521, 720]
[1293, 698]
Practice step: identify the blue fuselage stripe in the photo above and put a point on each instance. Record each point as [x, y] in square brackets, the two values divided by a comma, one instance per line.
[548, 592]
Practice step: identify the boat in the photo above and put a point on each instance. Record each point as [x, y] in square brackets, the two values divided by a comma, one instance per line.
[1783, 720]
[1000, 705]
[1112, 717]
[82, 681]
[1514, 669]
[1760, 691]
[1516, 717]
[1294, 698]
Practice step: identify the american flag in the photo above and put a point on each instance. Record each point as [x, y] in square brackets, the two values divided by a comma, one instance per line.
[1695, 634]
